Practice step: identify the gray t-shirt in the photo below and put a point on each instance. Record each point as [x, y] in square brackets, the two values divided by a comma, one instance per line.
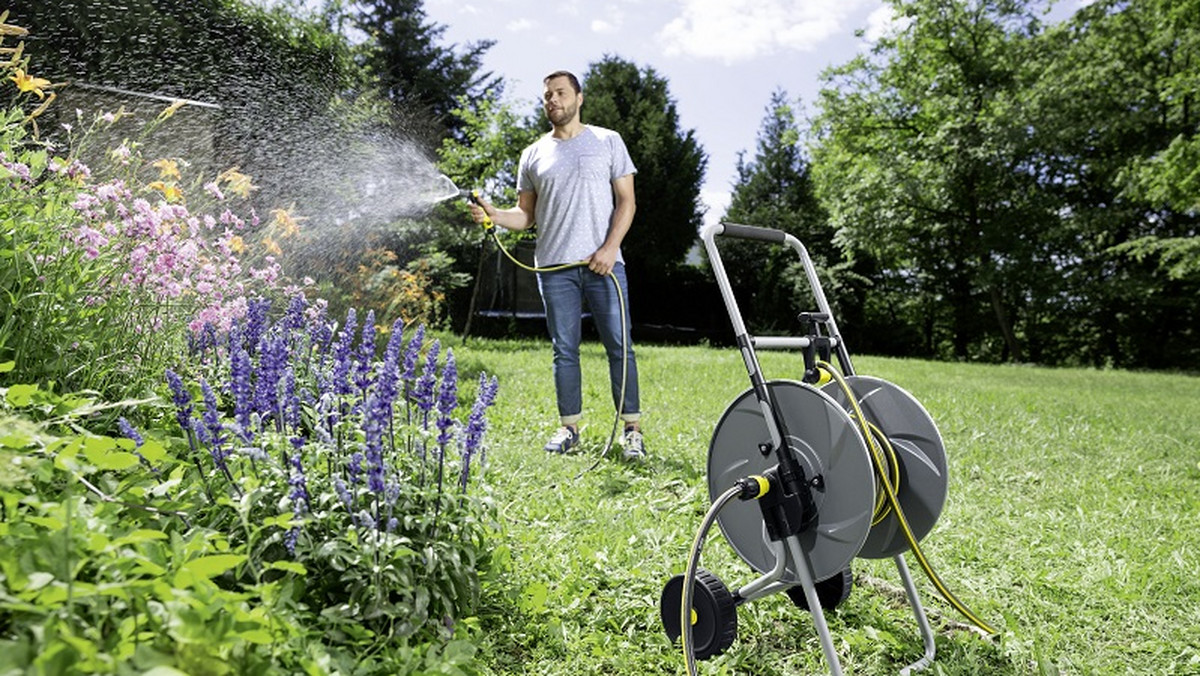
[573, 182]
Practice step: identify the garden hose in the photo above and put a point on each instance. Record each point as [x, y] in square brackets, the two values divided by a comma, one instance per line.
[490, 228]
[746, 488]
[888, 477]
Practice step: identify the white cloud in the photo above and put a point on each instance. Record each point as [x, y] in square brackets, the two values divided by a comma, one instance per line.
[739, 30]
[884, 21]
[602, 26]
[518, 25]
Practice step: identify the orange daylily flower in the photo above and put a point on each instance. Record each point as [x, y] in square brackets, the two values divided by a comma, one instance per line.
[271, 246]
[28, 83]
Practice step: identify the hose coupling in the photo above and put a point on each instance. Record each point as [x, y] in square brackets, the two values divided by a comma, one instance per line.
[752, 487]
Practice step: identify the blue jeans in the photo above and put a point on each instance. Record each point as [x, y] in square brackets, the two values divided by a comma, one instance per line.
[563, 294]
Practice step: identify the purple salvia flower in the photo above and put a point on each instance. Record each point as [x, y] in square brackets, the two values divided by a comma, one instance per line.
[447, 399]
[214, 429]
[373, 426]
[476, 426]
[343, 357]
[343, 492]
[290, 400]
[242, 388]
[290, 538]
[354, 468]
[182, 400]
[366, 355]
[410, 355]
[293, 319]
[299, 483]
[320, 331]
[424, 389]
[387, 385]
[130, 432]
[272, 361]
[256, 321]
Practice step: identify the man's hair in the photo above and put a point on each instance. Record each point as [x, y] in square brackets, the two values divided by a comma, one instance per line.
[567, 74]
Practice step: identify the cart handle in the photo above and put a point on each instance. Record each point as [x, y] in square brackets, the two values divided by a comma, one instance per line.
[752, 232]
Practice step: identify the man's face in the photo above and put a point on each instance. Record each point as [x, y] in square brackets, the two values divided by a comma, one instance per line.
[560, 101]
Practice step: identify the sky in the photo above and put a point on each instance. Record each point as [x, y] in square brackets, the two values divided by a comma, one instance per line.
[722, 59]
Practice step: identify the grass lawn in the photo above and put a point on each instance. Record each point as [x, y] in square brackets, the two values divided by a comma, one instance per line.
[1072, 523]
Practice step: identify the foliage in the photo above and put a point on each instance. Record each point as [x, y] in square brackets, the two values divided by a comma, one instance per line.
[992, 177]
[1113, 104]
[413, 70]
[774, 190]
[323, 537]
[921, 160]
[101, 277]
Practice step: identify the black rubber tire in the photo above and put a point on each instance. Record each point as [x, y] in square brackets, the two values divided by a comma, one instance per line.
[831, 591]
[715, 627]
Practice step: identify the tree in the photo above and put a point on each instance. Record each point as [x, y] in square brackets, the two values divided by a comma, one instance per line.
[1117, 129]
[774, 190]
[413, 69]
[670, 164]
[921, 156]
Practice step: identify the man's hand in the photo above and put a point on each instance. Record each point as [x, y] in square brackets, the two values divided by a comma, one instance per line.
[602, 261]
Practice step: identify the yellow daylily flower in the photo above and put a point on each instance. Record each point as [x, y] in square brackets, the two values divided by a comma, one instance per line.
[170, 191]
[170, 110]
[237, 244]
[272, 247]
[28, 83]
[239, 183]
[288, 225]
[166, 168]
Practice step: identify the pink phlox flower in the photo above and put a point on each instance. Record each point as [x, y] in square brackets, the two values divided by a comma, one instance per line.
[78, 169]
[215, 190]
[253, 217]
[84, 202]
[209, 222]
[229, 218]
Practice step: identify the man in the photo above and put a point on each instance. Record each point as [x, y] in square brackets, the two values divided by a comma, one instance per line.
[576, 184]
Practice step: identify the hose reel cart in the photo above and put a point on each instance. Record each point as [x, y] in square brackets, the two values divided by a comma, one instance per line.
[806, 475]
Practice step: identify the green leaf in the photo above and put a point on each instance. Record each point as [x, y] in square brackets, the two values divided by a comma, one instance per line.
[20, 396]
[101, 452]
[139, 535]
[153, 451]
[7, 366]
[212, 566]
[289, 566]
[37, 580]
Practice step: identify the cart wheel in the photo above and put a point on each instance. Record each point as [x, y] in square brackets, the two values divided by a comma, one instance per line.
[830, 592]
[714, 614]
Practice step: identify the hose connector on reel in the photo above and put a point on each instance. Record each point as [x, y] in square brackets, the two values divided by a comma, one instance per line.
[752, 487]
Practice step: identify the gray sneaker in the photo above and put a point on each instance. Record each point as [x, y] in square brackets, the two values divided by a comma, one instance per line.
[563, 440]
[635, 446]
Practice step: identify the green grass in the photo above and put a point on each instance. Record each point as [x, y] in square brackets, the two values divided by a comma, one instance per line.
[1071, 524]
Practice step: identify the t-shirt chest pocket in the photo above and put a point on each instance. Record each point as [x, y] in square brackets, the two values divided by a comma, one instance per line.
[593, 167]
